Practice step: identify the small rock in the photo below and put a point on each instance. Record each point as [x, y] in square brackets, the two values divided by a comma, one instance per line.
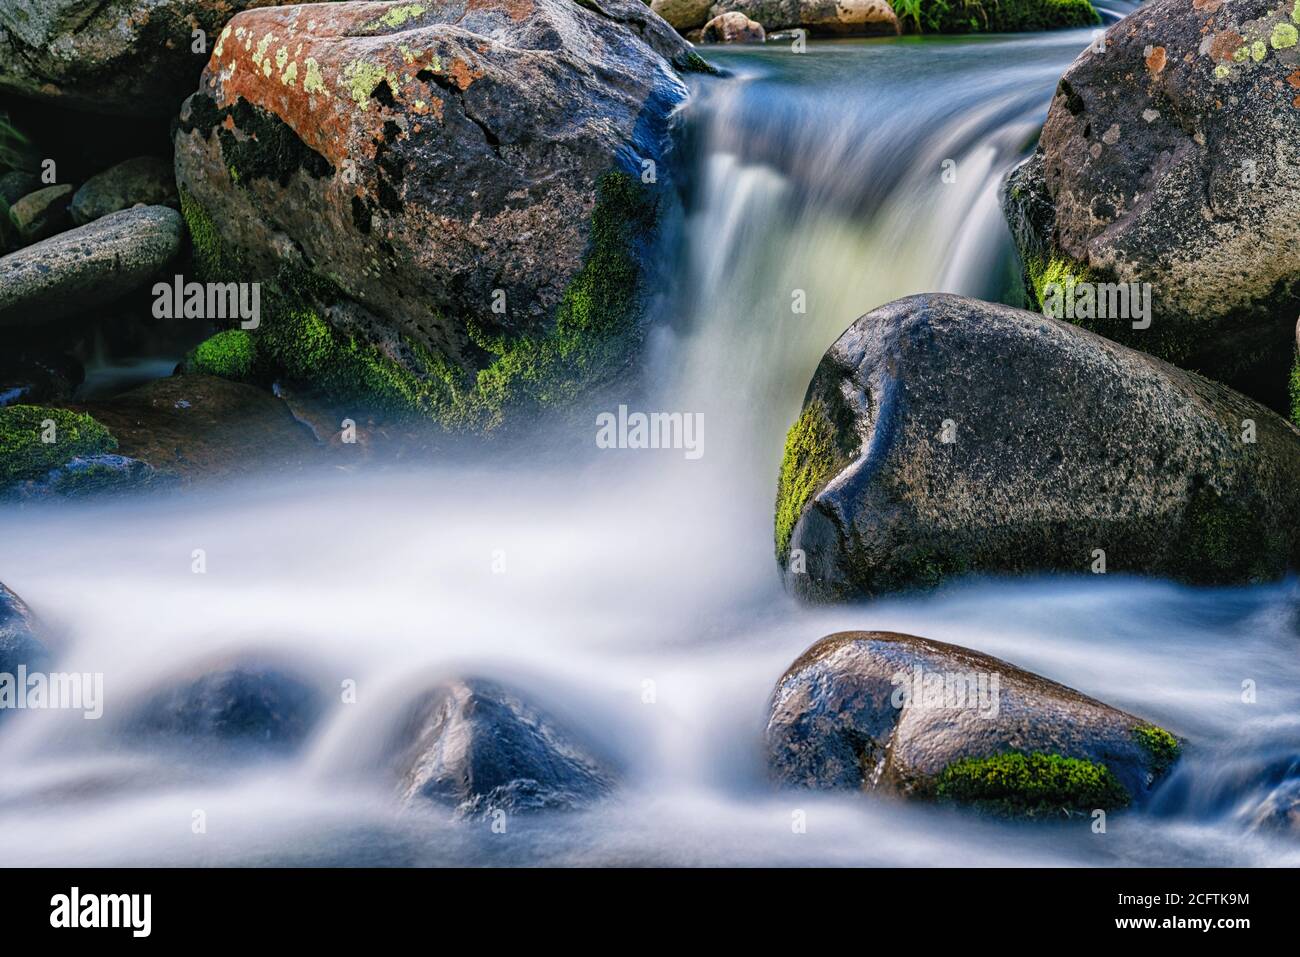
[145, 180]
[92, 264]
[732, 28]
[478, 747]
[16, 184]
[246, 704]
[42, 213]
[18, 642]
[917, 718]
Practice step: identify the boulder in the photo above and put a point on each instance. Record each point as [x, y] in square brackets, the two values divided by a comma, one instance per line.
[41, 214]
[19, 644]
[34, 441]
[683, 15]
[92, 264]
[732, 28]
[246, 704]
[125, 57]
[942, 435]
[143, 181]
[1167, 159]
[908, 716]
[818, 17]
[16, 184]
[453, 206]
[479, 747]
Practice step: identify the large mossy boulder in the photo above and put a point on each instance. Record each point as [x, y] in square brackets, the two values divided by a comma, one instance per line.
[942, 435]
[908, 716]
[476, 746]
[1169, 157]
[124, 57]
[453, 205]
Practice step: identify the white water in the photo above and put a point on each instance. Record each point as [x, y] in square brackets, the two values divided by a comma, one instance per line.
[819, 172]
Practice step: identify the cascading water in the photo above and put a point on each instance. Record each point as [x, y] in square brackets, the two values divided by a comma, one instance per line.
[589, 582]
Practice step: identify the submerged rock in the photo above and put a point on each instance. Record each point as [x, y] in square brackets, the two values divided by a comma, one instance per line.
[732, 28]
[479, 747]
[126, 57]
[942, 435]
[917, 718]
[248, 704]
[19, 644]
[453, 207]
[142, 181]
[1169, 159]
[96, 263]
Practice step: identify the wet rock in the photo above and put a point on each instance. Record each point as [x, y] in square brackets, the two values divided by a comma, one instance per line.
[327, 143]
[19, 644]
[908, 716]
[126, 57]
[1279, 813]
[36, 440]
[247, 704]
[818, 17]
[479, 747]
[732, 28]
[942, 435]
[1168, 159]
[197, 427]
[42, 213]
[143, 181]
[92, 264]
[16, 184]
[683, 15]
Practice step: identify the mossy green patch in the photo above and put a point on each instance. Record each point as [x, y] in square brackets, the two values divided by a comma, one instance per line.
[1224, 541]
[1160, 744]
[993, 16]
[230, 354]
[812, 458]
[1059, 272]
[1031, 785]
[34, 440]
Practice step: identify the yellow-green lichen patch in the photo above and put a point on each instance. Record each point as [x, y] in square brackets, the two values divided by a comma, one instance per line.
[1031, 785]
[1284, 36]
[811, 460]
[313, 82]
[361, 77]
[290, 76]
[35, 440]
[396, 16]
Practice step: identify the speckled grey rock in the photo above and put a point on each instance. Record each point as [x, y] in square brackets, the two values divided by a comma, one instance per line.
[478, 746]
[95, 263]
[849, 715]
[142, 181]
[19, 644]
[942, 435]
[1167, 159]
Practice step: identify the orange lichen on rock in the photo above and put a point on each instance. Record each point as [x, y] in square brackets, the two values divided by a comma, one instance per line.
[1156, 60]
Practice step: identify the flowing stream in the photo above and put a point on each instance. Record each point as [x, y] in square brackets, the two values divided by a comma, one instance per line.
[635, 593]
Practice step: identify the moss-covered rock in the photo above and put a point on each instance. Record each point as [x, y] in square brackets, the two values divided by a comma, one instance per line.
[433, 233]
[913, 717]
[994, 16]
[231, 355]
[972, 437]
[35, 440]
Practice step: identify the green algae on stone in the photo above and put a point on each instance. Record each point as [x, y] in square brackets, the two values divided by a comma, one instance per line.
[1021, 785]
[230, 354]
[811, 459]
[1160, 744]
[34, 440]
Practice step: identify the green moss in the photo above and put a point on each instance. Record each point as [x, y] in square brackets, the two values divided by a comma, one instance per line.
[1059, 271]
[24, 453]
[993, 16]
[811, 460]
[1030, 785]
[230, 355]
[1224, 541]
[1160, 744]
